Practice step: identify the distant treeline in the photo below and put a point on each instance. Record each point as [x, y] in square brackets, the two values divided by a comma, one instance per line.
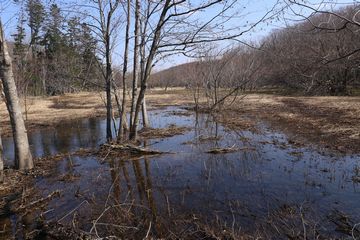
[318, 56]
[60, 55]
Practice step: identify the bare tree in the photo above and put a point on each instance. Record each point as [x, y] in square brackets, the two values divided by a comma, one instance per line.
[222, 74]
[124, 72]
[105, 23]
[23, 158]
[173, 29]
[136, 67]
[143, 30]
[102, 19]
[161, 11]
[147, 68]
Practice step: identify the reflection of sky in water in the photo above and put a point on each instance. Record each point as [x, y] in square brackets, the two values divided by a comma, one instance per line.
[70, 136]
[195, 182]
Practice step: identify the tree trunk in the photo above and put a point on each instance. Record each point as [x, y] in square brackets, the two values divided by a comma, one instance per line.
[126, 53]
[43, 74]
[119, 106]
[23, 158]
[143, 27]
[108, 90]
[136, 65]
[1, 161]
[145, 116]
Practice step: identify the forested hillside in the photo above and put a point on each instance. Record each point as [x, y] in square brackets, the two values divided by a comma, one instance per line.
[320, 55]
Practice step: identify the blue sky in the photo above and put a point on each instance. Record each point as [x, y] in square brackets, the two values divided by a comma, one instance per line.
[247, 12]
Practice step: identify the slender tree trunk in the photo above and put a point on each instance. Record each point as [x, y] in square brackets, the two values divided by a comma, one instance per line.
[1, 161]
[145, 116]
[43, 74]
[143, 27]
[136, 65]
[126, 53]
[133, 131]
[23, 158]
[119, 106]
[1, 146]
[106, 10]
[108, 90]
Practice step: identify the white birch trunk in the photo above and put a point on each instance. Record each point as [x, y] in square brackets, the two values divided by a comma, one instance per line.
[145, 116]
[23, 158]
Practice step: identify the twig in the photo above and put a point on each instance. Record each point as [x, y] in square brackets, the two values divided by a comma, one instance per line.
[353, 230]
[148, 231]
[303, 221]
[85, 201]
[29, 206]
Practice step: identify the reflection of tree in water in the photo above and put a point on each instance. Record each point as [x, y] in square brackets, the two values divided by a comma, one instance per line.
[88, 133]
[95, 131]
[83, 133]
[135, 198]
[145, 190]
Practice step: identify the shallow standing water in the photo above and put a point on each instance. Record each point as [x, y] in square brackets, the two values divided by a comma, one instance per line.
[242, 190]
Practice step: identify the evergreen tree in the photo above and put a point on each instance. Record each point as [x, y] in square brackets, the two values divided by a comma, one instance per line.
[88, 44]
[19, 36]
[53, 39]
[74, 32]
[36, 17]
[19, 53]
[37, 14]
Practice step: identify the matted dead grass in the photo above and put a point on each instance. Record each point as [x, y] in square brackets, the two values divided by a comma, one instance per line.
[170, 131]
[332, 122]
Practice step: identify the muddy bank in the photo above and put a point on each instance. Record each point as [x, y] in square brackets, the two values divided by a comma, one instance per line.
[331, 123]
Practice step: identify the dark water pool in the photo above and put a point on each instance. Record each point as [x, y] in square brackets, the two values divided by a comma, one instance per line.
[240, 189]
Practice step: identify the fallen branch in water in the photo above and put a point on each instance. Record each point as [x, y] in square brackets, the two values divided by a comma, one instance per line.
[222, 150]
[38, 202]
[208, 138]
[228, 150]
[129, 148]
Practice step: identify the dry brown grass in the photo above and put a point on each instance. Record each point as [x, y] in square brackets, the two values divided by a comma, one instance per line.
[333, 122]
[49, 111]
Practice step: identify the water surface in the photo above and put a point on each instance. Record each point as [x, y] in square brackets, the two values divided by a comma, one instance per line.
[240, 188]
